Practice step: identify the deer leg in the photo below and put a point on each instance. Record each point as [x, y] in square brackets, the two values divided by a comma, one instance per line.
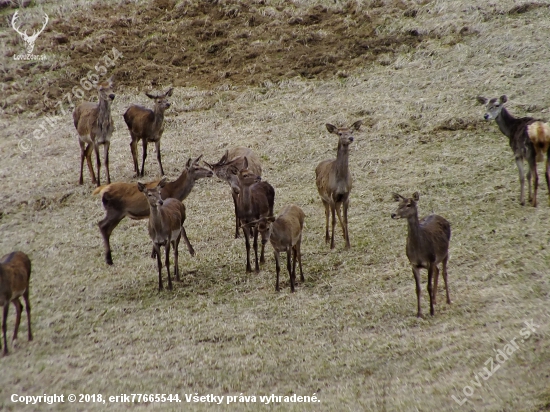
[187, 243]
[430, 289]
[82, 156]
[294, 258]
[4, 321]
[339, 214]
[327, 238]
[289, 267]
[106, 155]
[533, 171]
[247, 244]
[98, 164]
[436, 277]
[416, 273]
[133, 149]
[89, 150]
[157, 146]
[255, 234]
[28, 309]
[144, 156]
[332, 210]
[159, 264]
[547, 174]
[18, 310]
[237, 222]
[346, 205]
[175, 244]
[277, 268]
[445, 279]
[167, 262]
[519, 162]
[106, 227]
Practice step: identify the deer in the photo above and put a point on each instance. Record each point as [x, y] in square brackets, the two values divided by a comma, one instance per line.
[256, 199]
[29, 40]
[147, 125]
[334, 181]
[166, 218]
[229, 166]
[15, 275]
[285, 235]
[427, 245]
[124, 199]
[529, 139]
[95, 126]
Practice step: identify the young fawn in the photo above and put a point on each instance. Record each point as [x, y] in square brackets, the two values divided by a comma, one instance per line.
[166, 220]
[15, 274]
[427, 245]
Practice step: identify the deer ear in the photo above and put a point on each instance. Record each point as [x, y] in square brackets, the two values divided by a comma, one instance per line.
[189, 162]
[169, 92]
[481, 99]
[503, 99]
[224, 158]
[197, 159]
[271, 219]
[149, 95]
[162, 182]
[331, 128]
[357, 124]
[110, 81]
[396, 197]
[245, 164]
[141, 187]
[416, 196]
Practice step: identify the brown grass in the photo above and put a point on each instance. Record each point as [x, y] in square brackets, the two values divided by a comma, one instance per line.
[349, 333]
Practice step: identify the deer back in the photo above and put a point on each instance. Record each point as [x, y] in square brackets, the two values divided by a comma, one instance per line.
[432, 242]
[286, 230]
[166, 223]
[140, 121]
[15, 272]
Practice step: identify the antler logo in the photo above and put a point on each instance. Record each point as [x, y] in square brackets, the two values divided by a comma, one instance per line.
[29, 40]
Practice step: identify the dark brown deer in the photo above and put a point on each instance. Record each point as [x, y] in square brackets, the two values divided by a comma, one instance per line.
[285, 235]
[124, 199]
[529, 140]
[427, 245]
[147, 125]
[228, 168]
[15, 275]
[166, 220]
[95, 126]
[256, 200]
[334, 181]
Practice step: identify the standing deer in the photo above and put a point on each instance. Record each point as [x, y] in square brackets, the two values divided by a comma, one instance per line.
[285, 235]
[529, 139]
[94, 125]
[166, 220]
[124, 199]
[147, 125]
[228, 168]
[15, 274]
[427, 245]
[256, 200]
[334, 181]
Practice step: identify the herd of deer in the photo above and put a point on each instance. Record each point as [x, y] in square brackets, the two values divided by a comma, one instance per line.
[161, 201]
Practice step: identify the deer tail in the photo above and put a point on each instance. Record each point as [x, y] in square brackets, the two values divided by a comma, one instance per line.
[99, 189]
[539, 134]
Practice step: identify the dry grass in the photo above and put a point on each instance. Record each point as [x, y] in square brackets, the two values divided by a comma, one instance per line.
[349, 333]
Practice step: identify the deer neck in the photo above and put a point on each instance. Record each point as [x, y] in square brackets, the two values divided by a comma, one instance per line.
[415, 234]
[104, 120]
[507, 123]
[179, 188]
[159, 117]
[244, 197]
[342, 157]
[155, 217]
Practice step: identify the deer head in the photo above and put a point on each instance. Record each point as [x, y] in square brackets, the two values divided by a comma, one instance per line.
[494, 106]
[407, 206]
[29, 40]
[160, 99]
[345, 134]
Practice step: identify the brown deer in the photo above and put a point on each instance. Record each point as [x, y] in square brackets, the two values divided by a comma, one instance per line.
[95, 126]
[166, 220]
[529, 139]
[147, 125]
[285, 235]
[228, 168]
[124, 199]
[334, 181]
[15, 275]
[427, 245]
[256, 200]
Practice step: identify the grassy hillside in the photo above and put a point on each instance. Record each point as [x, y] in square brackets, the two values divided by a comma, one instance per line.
[411, 72]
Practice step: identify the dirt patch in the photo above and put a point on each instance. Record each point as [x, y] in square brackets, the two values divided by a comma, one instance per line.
[207, 44]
